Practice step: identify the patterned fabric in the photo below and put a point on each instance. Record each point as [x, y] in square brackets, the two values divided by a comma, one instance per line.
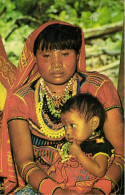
[27, 190]
[21, 104]
[73, 174]
[7, 69]
[7, 75]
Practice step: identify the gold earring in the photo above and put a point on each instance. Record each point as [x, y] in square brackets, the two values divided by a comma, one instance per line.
[93, 133]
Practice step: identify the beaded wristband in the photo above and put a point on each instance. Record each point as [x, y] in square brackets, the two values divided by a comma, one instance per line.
[29, 172]
[23, 166]
[119, 164]
[119, 156]
[48, 186]
[104, 185]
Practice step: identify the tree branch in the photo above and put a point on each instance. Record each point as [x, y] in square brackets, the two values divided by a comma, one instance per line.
[103, 30]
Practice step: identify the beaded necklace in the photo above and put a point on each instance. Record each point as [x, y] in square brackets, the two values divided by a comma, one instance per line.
[48, 107]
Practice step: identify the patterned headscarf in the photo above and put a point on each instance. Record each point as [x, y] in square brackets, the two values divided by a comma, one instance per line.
[7, 75]
[27, 63]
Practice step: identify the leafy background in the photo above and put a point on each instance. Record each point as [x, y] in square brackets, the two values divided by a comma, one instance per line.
[18, 18]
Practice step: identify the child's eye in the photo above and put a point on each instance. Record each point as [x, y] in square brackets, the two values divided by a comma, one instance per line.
[72, 125]
[65, 127]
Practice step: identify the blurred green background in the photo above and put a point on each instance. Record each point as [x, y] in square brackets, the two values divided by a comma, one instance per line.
[101, 21]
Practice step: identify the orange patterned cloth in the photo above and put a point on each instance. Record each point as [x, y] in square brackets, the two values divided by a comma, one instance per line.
[7, 69]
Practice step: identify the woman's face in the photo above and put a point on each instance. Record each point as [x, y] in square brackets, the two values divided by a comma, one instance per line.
[56, 66]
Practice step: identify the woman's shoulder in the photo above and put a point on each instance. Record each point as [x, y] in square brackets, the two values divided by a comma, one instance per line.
[93, 77]
[100, 86]
[25, 90]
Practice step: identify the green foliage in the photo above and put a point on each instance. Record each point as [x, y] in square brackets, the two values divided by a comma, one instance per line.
[84, 13]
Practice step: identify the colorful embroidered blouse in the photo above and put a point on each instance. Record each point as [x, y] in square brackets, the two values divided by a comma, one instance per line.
[22, 106]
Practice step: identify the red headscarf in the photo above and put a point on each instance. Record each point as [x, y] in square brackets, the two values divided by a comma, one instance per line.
[27, 63]
[7, 69]
[27, 66]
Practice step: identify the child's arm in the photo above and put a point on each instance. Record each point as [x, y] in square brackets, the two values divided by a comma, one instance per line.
[97, 167]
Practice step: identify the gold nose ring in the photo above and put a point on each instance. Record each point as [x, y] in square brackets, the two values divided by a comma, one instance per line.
[57, 69]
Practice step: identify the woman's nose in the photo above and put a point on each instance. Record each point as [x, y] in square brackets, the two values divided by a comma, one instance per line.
[56, 60]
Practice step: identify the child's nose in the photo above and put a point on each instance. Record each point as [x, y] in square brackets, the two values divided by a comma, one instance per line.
[68, 131]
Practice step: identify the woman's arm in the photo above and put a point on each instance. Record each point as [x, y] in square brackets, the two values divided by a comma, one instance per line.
[114, 132]
[97, 167]
[23, 150]
[113, 129]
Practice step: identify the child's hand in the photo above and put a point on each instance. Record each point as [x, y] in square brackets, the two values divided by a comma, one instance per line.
[75, 149]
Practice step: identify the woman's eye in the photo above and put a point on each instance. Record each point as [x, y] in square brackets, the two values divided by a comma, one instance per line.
[46, 55]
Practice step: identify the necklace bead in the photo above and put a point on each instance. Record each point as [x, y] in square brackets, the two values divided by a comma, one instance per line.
[48, 108]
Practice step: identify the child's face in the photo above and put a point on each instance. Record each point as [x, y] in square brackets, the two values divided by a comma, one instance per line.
[76, 128]
[56, 66]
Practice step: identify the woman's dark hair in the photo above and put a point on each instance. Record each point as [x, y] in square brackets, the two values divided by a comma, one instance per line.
[59, 36]
[88, 106]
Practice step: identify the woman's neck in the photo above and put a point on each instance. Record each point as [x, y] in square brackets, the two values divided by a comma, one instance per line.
[56, 89]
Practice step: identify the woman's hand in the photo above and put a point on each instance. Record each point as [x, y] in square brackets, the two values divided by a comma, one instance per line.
[94, 191]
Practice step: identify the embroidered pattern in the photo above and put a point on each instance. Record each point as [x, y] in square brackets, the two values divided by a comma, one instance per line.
[50, 125]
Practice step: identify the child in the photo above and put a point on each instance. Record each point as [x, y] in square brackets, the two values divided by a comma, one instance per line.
[85, 156]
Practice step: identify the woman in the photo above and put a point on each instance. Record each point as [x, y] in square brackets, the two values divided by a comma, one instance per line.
[50, 71]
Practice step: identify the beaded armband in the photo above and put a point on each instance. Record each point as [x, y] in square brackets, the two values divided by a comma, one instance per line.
[29, 172]
[119, 156]
[23, 167]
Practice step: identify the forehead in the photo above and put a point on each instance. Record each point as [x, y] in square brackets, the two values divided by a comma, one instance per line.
[56, 50]
[70, 115]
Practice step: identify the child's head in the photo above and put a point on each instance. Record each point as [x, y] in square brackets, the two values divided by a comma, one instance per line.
[59, 36]
[83, 113]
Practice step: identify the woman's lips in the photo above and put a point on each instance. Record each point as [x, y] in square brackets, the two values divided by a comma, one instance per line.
[57, 74]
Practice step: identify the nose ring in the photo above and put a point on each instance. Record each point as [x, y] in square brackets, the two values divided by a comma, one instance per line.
[56, 69]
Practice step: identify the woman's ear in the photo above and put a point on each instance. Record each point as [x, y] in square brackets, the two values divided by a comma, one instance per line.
[94, 122]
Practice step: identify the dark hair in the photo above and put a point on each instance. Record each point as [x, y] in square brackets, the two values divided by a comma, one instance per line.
[59, 36]
[87, 105]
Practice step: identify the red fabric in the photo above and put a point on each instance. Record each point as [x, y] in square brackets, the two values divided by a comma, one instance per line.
[70, 172]
[102, 87]
[105, 185]
[45, 189]
[7, 69]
